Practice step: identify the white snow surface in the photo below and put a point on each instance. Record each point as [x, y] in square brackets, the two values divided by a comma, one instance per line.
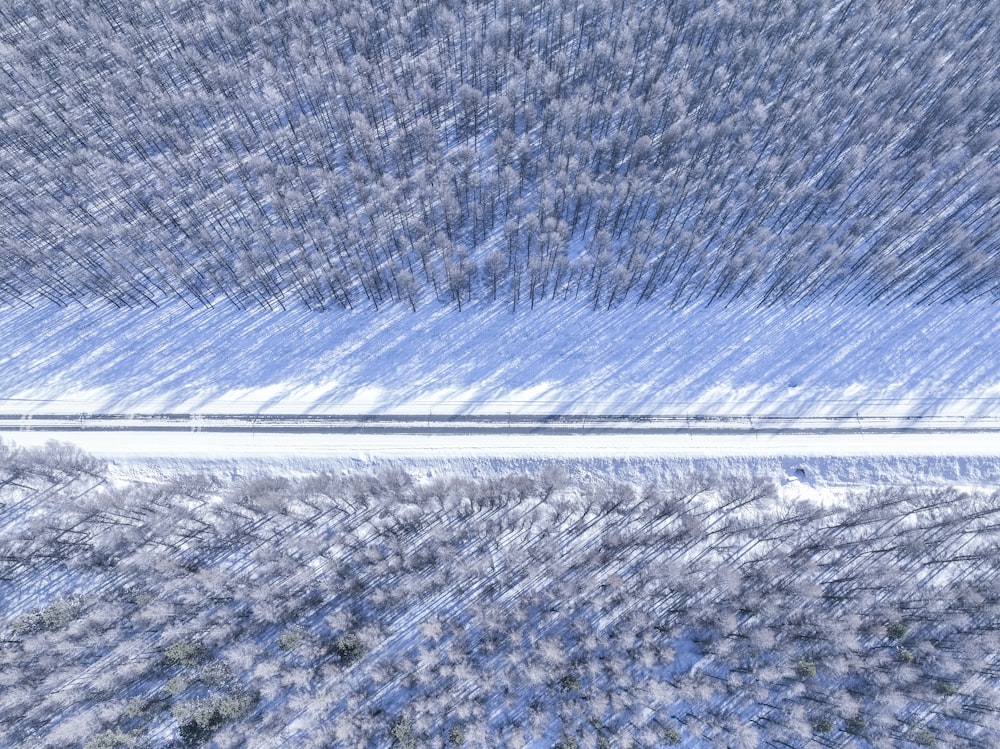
[805, 466]
[563, 357]
[829, 360]
[306, 448]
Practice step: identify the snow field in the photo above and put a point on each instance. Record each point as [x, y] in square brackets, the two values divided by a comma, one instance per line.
[827, 359]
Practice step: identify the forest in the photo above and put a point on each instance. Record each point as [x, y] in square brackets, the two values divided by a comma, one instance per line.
[552, 610]
[372, 152]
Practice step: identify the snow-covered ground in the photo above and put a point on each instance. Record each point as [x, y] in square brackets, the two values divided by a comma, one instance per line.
[802, 362]
[563, 357]
[805, 465]
[308, 447]
[742, 362]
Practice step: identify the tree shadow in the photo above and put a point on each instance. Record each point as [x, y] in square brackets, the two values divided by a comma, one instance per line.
[563, 357]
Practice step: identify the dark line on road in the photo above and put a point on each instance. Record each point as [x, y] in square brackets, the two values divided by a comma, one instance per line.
[498, 424]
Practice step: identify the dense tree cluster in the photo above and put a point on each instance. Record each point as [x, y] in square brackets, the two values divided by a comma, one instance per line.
[378, 611]
[337, 155]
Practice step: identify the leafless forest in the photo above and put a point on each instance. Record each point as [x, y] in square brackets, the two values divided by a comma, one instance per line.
[379, 611]
[350, 156]
[364, 153]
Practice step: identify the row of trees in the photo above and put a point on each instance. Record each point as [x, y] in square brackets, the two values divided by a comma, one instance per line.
[523, 610]
[280, 154]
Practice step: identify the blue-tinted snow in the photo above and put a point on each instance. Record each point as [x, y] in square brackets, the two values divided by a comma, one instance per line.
[562, 357]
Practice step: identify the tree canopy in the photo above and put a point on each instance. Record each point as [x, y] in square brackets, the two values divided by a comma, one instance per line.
[369, 151]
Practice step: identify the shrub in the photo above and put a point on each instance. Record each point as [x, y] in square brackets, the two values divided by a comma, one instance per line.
[603, 742]
[855, 725]
[402, 734]
[896, 631]
[183, 653]
[805, 669]
[175, 685]
[55, 616]
[201, 718]
[216, 674]
[566, 742]
[822, 725]
[135, 595]
[569, 683]
[456, 736]
[905, 656]
[671, 736]
[349, 648]
[946, 689]
[290, 638]
[923, 737]
[233, 706]
[111, 739]
[138, 706]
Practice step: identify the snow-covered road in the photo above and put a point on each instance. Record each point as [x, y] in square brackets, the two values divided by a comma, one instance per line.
[769, 389]
[808, 464]
[498, 442]
[505, 424]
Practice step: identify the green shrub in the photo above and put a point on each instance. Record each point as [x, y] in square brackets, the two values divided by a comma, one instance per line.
[349, 648]
[290, 638]
[55, 616]
[569, 683]
[176, 685]
[138, 706]
[137, 596]
[216, 674]
[111, 739]
[233, 706]
[855, 725]
[896, 631]
[671, 736]
[402, 734]
[201, 718]
[923, 737]
[805, 669]
[905, 656]
[183, 653]
[822, 725]
[566, 742]
[456, 736]
[603, 742]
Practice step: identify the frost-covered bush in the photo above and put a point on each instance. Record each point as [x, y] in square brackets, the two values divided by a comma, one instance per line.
[111, 739]
[183, 653]
[55, 616]
[199, 719]
[349, 648]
